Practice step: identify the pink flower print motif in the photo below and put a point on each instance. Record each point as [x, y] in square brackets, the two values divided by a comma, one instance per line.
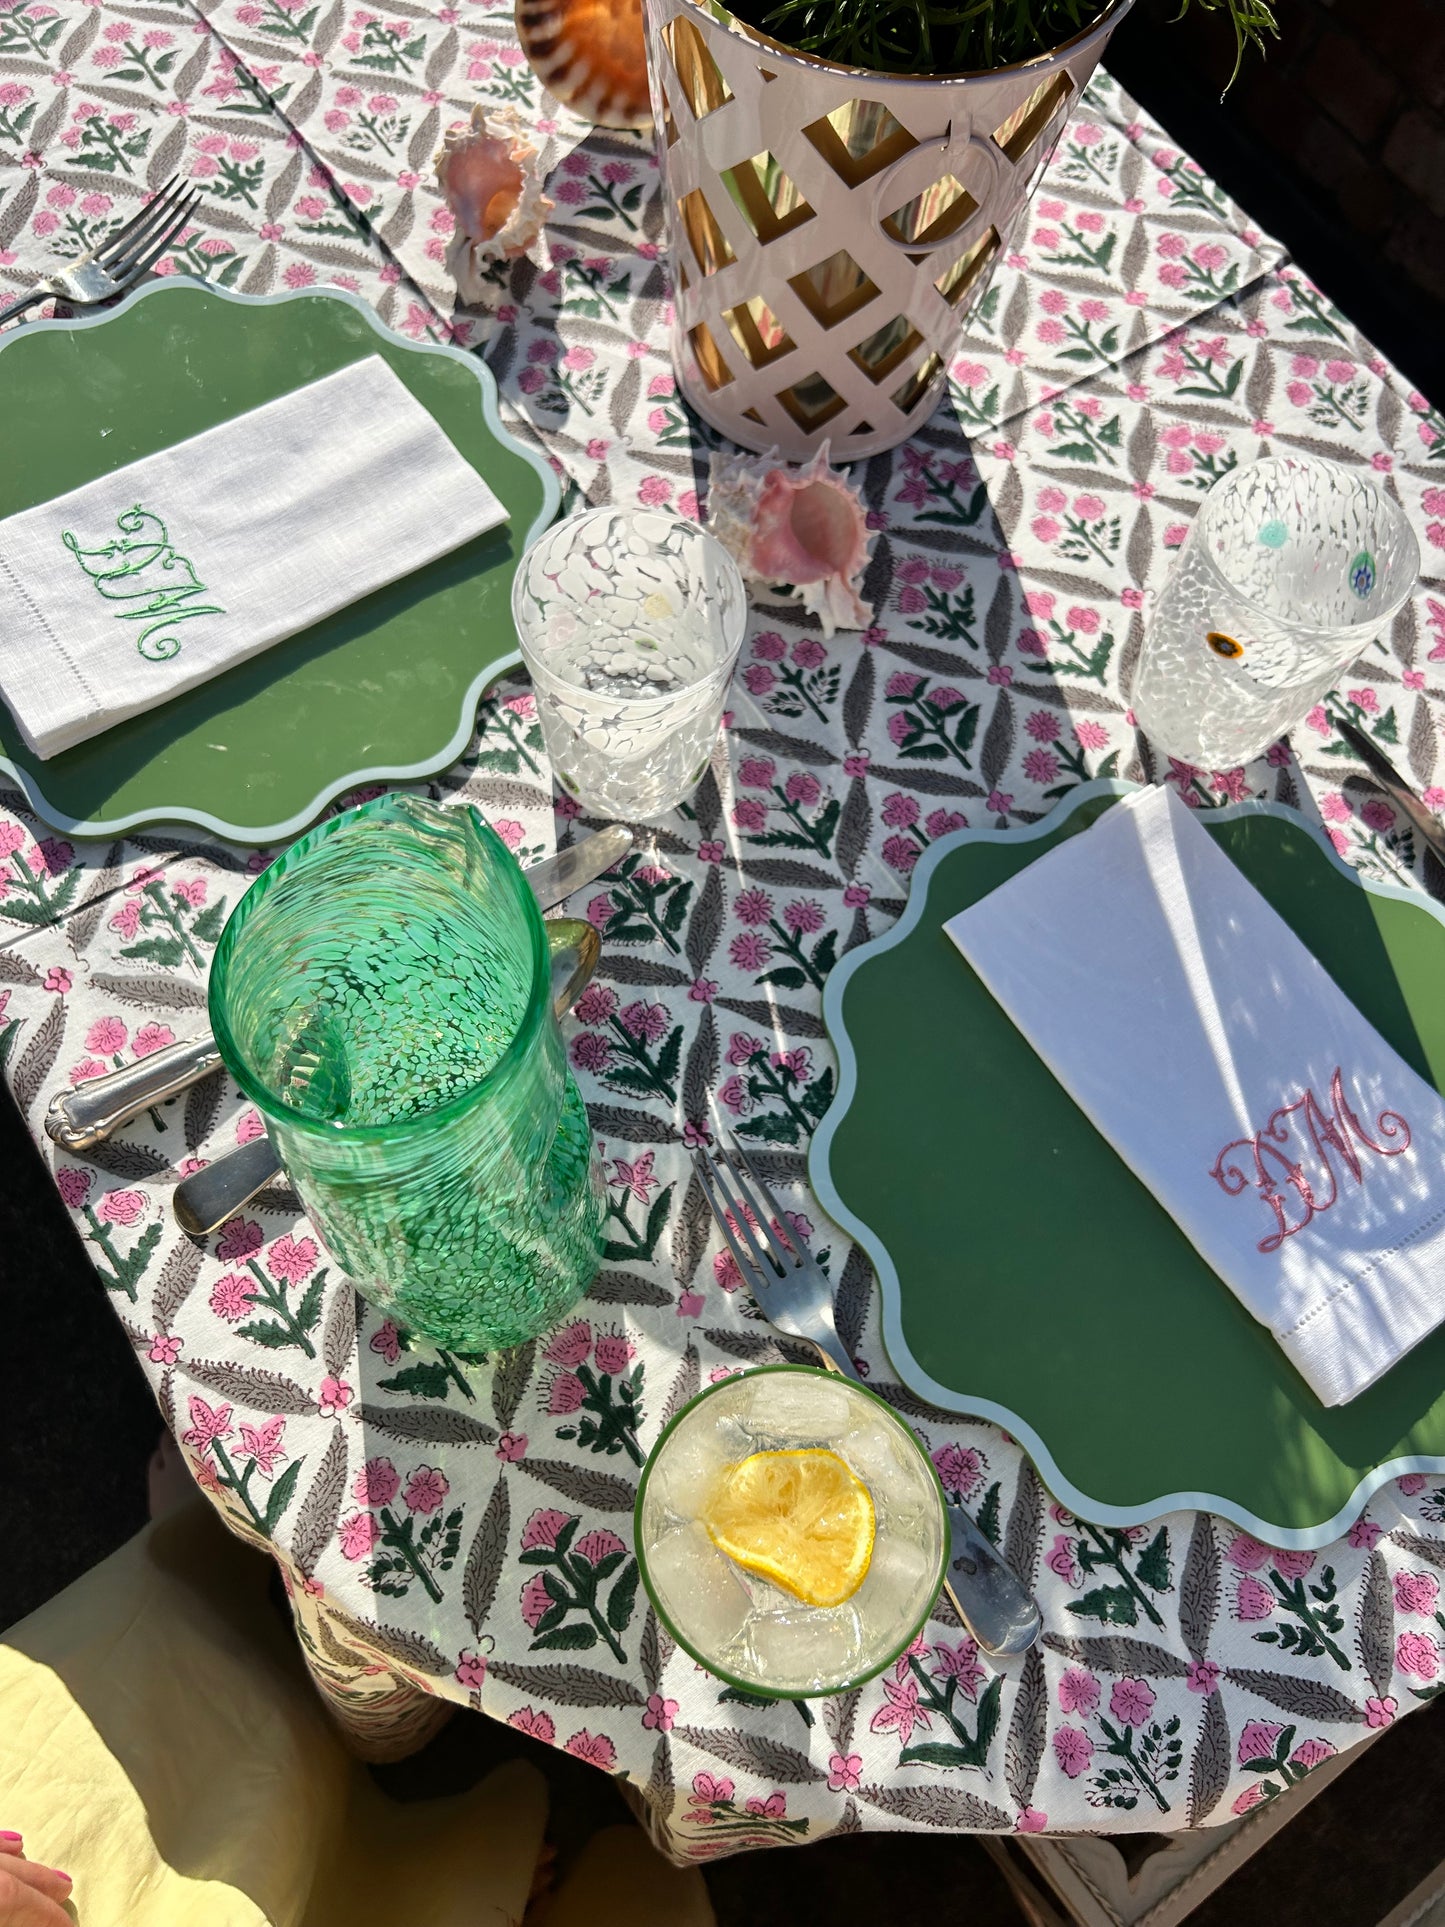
[595, 1748]
[334, 1397]
[512, 1447]
[570, 1346]
[536, 1602]
[191, 891]
[1078, 1691]
[960, 1468]
[1380, 1712]
[1416, 1592]
[292, 1259]
[1251, 1797]
[358, 1534]
[58, 980]
[207, 1425]
[106, 1034]
[126, 921]
[470, 1671]
[900, 811]
[659, 1715]
[542, 1528]
[637, 1178]
[387, 1341]
[1417, 1654]
[164, 1351]
[249, 1127]
[773, 1808]
[1311, 1753]
[725, 1272]
[1202, 1676]
[1063, 1560]
[1031, 1820]
[1364, 1534]
[377, 1483]
[1247, 1553]
[1292, 1565]
[151, 1038]
[756, 772]
[537, 1726]
[240, 1238]
[613, 1354]
[1410, 1483]
[565, 1395]
[425, 1490]
[231, 1296]
[803, 788]
[121, 1207]
[1073, 1749]
[73, 1185]
[600, 911]
[902, 1712]
[263, 1444]
[1131, 1701]
[1252, 1599]
[845, 1770]
[959, 1663]
[1258, 1741]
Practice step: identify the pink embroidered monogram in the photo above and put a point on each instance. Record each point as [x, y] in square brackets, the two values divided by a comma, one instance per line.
[1305, 1128]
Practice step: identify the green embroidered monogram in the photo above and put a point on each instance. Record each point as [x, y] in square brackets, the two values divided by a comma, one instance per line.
[143, 570]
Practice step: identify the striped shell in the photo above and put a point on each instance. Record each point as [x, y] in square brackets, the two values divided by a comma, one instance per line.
[589, 55]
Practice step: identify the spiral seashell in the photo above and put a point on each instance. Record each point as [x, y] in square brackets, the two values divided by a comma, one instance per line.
[589, 55]
[488, 173]
[804, 528]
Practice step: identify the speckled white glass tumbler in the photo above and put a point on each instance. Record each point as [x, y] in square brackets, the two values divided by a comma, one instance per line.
[630, 623]
[1290, 570]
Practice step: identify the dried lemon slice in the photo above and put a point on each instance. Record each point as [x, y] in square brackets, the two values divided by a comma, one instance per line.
[799, 1519]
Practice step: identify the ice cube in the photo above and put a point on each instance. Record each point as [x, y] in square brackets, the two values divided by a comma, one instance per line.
[895, 1589]
[805, 1647]
[793, 1410]
[700, 1589]
[686, 1473]
[879, 1457]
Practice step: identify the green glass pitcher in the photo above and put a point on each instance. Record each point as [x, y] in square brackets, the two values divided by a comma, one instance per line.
[384, 993]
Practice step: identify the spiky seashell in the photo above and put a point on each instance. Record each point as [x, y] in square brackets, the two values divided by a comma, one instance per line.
[804, 528]
[488, 173]
[589, 54]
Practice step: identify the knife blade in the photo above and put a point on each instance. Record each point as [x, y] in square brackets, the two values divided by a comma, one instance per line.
[1383, 773]
[88, 1113]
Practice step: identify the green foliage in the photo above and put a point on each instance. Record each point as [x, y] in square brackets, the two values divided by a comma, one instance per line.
[919, 37]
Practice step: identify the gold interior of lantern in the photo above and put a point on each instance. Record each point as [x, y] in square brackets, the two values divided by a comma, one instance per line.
[710, 246]
[711, 366]
[962, 275]
[701, 77]
[930, 217]
[886, 349]
[766, 196]
[758, 332]
[908, 394]
[834, 289]
[1028, 120]
[812, 401]
[859, 139]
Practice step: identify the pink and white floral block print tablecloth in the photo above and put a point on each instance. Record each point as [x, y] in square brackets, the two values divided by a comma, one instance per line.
[460, 1532]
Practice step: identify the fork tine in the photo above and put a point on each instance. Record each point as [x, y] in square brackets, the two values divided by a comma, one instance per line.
[133, 270]
[740, 1203]
[780, 1245]
[751, 1266]
[115, 244]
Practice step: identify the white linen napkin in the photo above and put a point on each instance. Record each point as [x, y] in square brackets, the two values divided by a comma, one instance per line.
[1301, 1156]
[123, 593]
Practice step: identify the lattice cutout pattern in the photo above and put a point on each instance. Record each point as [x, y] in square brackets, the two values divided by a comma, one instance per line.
[810, 301]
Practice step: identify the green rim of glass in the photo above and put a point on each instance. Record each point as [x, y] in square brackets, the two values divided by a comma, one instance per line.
[751, 1686]
[264, 1097]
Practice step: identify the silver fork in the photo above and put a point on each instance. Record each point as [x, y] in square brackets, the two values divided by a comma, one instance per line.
[791, 1291]
[118, 262]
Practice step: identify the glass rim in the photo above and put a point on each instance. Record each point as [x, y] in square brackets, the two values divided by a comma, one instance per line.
[753, 1686]
[644, 707]
[338, 1129]
[1255, 607]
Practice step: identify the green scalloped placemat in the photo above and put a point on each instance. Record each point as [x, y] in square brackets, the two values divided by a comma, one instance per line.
[1030, 1278]
[385, 688]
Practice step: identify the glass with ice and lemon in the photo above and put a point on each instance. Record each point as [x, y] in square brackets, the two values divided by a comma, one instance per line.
[791, 1532]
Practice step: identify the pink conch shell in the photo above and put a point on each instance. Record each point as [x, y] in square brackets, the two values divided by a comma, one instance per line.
[488, 173]
[803, 527]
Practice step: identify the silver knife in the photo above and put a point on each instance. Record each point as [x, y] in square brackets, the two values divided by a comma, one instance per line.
[88, 1113]
[1384, 774]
